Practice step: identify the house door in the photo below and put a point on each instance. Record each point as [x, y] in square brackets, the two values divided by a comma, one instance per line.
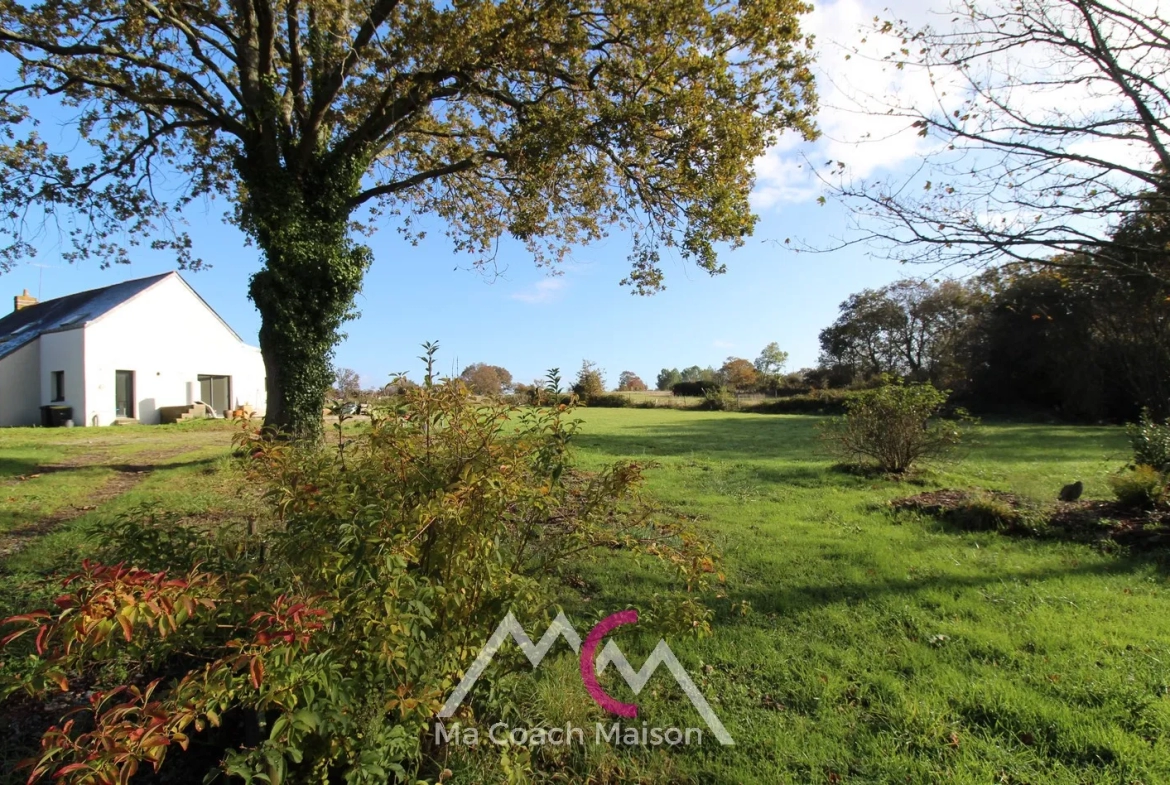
[124, 393]
[216, 391]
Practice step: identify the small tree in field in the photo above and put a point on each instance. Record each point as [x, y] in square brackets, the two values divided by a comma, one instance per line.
[590, 381]
[630, 382]
[739, 374]
[894, 426]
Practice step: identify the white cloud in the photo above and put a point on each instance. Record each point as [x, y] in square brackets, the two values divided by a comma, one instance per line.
[857, 86]
[723, 344]
[546, 290]
[852, 83]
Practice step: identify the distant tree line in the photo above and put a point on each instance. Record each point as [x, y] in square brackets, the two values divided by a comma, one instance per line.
[737, 374]
[1083, 339]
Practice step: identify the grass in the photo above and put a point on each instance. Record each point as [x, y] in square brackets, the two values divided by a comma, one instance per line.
[848, 645]
[879, 649]
[59, 485]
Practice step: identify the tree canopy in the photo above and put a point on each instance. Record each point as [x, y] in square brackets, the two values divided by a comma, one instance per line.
[485, 379]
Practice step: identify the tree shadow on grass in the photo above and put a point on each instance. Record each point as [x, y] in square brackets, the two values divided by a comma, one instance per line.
[1019, 443]
[722, 436]
[11, 468]
[718, 437]
[791, 600]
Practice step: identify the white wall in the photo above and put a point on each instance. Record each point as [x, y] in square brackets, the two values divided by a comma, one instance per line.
[167, 336]
[20, 386]
[63, 351]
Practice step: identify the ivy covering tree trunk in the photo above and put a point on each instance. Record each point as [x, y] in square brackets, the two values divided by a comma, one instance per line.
[317, 120]
[306, 290]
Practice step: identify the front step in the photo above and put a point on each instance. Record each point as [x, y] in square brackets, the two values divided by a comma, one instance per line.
[195, 411]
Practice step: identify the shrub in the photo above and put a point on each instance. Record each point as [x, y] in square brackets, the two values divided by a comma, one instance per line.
[720, 400]
[324, 644]
[983, 512]
[609, 401]
[590, 381]
[814, 402]
[894, 426]
[1139, 486]
[696, 389]
[1151, 442]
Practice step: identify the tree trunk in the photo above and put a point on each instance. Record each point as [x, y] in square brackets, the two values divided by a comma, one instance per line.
[305, 292]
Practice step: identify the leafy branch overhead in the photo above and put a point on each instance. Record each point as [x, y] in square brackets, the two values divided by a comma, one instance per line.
[548, 122]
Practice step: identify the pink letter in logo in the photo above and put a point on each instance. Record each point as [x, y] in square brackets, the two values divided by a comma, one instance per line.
[588, 670]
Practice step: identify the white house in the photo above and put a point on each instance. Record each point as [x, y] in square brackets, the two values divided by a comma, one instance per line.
[122, 353]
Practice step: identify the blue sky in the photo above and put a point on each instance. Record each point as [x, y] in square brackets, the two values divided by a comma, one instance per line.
[528, 322]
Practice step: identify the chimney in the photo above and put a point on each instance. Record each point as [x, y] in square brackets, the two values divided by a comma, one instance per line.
[23, 301]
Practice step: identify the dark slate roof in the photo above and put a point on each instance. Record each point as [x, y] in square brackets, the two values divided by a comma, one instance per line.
[67, 313]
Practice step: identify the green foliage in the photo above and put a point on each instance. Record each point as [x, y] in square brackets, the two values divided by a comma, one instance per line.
[771, 360]
[590, 381]
[609, 401]
[1151, 442]
[1139, 486]
[719, 399]
[830, 401]
[667, 378]
[894, 426]
[909, 328]
[344, 624]
[698, 388]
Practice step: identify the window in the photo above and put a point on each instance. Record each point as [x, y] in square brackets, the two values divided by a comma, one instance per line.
[58, 385]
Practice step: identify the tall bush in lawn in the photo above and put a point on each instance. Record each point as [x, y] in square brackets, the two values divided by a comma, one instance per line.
[321, 648]
[1150, 440]
[895, 426]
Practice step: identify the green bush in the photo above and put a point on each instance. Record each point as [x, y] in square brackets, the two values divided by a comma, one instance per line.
[814, 402]
[609, 401]
[1139, 486]
[590, 382]
[1151, 442]
[719, 399]
[894, 426]
[324, 643]
[694, 389]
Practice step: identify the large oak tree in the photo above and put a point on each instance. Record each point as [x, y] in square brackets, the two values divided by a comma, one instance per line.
[548, 121]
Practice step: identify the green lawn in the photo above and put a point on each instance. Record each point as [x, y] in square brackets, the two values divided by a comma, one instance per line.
[880, 649]
[873, 649]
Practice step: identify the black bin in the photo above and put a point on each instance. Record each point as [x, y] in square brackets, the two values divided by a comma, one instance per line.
[56, 416]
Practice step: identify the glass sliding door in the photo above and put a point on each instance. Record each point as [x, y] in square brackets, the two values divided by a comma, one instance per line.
[216, 392]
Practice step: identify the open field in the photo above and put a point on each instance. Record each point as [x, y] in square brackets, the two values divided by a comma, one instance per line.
[667, 399]
[848, 646]
[880, 649]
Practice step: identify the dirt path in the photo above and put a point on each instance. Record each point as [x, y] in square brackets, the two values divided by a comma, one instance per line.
[129, 470]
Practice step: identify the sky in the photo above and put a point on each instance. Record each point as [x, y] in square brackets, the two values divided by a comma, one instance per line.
[528, 322]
